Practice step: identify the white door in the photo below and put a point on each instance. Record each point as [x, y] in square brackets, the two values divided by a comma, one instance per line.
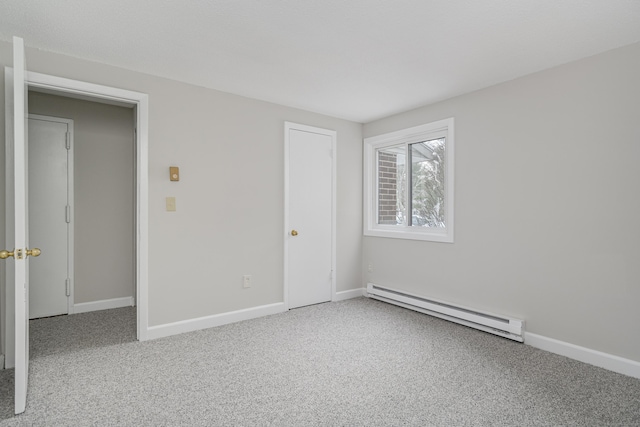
[309, 216]
[49, 214]
[17, 274]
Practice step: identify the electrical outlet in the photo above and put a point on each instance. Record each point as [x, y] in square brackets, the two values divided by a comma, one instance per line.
[246, 281]
[370, 268]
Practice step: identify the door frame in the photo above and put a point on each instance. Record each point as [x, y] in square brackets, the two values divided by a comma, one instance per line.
[109, 95]
[70, 201]
[288, 127]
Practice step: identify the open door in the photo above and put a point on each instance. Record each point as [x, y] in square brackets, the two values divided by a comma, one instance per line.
[20, 225]
[16, 145]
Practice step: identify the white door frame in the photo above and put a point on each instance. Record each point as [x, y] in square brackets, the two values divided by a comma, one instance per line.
[288, 126]
[109, 95]
[70, 202]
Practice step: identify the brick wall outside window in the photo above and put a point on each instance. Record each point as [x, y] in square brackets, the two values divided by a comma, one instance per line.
[387, 188]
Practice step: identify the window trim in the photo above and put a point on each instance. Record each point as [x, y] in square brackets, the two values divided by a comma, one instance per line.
[405, 137]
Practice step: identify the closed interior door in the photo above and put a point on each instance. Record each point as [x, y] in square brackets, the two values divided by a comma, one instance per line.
[310, 230]
[49, 214]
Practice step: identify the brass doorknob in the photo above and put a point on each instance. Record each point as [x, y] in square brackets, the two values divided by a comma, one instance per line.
[4, 254]
[34, 252]
[294, 233]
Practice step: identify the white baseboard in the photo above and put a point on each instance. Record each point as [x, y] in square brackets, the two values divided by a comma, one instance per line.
[191, 325]
[352, 293]
[593, 357]
[104, 304]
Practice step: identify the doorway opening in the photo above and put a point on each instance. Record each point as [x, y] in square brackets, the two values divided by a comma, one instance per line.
[82, 181]
[138, 104]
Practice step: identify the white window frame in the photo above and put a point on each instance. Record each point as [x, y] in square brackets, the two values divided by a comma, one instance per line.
[405, 137]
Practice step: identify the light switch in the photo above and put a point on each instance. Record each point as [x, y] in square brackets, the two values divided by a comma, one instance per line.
[174, 173]
[171, 204]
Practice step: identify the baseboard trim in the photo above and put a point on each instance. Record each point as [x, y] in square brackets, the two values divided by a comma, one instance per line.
[1, 361]
[206, 322]
[352, 293]
[104, 304]
[593, 357]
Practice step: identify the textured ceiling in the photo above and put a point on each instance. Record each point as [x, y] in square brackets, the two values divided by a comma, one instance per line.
[355, 59]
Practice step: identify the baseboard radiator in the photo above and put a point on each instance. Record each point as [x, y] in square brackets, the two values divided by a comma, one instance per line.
[492, 323]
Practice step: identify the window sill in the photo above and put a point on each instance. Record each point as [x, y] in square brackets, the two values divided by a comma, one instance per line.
[411, 234]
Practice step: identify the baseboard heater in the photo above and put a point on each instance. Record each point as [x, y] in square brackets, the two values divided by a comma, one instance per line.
[492, 323]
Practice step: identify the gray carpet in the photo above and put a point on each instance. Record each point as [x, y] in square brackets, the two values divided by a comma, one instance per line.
[352, 363]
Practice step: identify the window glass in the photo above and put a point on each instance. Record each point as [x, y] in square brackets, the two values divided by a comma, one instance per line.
[427, 183]
[409, 183]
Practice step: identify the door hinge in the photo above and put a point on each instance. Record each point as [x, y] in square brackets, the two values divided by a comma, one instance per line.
[67, 143]
[68, 287]
[67, 214]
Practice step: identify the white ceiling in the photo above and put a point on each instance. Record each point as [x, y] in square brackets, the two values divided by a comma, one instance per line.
[354, 59]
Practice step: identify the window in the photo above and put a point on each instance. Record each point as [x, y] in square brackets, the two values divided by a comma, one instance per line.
[409, 183]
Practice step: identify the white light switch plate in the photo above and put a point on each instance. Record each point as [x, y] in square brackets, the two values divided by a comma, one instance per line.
[171, 204]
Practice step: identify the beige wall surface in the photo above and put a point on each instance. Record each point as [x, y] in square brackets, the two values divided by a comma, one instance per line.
[547, 205]
[104, 194]
[230, 197]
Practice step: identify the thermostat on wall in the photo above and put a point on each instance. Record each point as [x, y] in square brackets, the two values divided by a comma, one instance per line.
[174, 173]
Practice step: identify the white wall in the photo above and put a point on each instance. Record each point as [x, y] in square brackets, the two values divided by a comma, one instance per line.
[229, 218]
[104, 194]
[547, 205]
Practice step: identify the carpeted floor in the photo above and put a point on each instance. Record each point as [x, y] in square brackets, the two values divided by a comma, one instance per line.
[352, 363]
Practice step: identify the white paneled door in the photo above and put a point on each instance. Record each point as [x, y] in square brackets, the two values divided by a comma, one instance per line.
[17, 215]
[50, 216]
[309, 216]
